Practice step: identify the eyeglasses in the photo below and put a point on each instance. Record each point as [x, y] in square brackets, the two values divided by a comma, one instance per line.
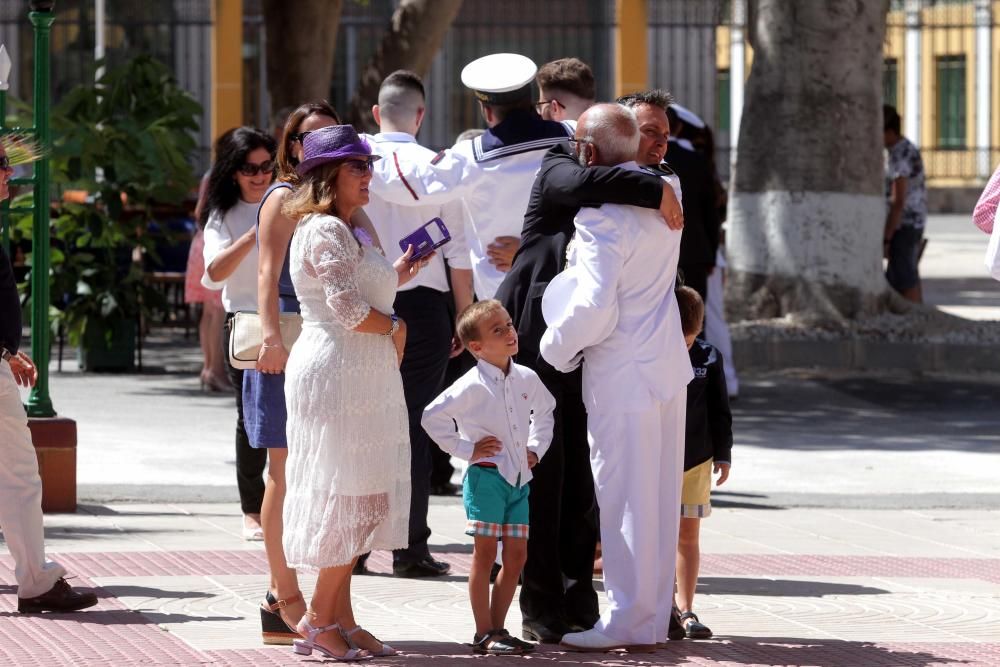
[250, 169]
[577, 144]
[540, 104]
[299, 136]
[360, 167]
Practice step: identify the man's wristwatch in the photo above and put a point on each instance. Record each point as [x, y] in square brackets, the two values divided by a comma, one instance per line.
[5, 354]
[395, 325]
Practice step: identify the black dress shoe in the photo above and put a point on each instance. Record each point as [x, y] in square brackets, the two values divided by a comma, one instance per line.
[428, 567]
[550, 632]
[60, 598]
[446, 489]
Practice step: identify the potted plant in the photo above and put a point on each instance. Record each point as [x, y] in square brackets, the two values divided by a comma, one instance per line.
[124, 143]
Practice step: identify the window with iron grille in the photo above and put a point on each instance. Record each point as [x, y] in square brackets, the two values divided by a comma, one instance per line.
[890, 82]
[722, 99]
[951, 101]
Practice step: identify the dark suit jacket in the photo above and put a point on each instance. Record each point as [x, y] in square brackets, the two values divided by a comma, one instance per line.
[561, 188]
[10, 305]
[701, 217]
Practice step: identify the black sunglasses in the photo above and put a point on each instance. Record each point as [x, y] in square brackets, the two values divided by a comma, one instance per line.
[4, 162]
[250, 169]
[299, 136]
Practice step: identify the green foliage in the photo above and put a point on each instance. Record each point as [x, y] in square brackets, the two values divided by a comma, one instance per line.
[125, 141]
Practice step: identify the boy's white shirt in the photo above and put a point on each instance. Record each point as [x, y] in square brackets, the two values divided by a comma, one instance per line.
[515, 408]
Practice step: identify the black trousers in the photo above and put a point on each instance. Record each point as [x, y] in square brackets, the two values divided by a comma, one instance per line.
[425, 359]
[696, 277]
[250, 462]
[564, 530]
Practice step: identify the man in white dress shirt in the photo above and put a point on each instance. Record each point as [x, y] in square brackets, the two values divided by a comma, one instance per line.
[493, 172]
[614, 308]
[422, 302]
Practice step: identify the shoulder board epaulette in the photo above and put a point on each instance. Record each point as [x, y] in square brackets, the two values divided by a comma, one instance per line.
[437, 158]
[662, 169]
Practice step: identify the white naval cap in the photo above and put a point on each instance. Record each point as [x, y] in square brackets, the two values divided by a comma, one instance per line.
[687, 116]
[500, 78]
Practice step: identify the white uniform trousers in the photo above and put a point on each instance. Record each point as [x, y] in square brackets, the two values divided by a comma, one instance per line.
[716, 328]
[638, 463]
[21, 495]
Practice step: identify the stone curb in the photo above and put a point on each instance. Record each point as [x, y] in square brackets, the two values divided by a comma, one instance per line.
[865, 355]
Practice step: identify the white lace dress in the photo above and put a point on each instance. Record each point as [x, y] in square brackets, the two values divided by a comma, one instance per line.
[348, 470]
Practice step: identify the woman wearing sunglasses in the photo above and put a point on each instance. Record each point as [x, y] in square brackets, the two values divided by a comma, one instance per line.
[241, 174]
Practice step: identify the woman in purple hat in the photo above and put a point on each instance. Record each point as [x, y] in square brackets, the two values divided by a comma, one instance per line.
[348, 468]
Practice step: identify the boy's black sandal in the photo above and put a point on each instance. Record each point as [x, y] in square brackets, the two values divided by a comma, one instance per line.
[695, 629]
[526, 647]
[495, 642]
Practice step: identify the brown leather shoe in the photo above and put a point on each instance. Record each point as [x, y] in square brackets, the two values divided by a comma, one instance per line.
[60, 598]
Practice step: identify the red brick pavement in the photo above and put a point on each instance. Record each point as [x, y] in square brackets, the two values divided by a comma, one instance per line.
[207, 563]
[110, 634]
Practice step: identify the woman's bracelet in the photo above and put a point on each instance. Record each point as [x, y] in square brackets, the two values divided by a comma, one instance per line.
[270, 345]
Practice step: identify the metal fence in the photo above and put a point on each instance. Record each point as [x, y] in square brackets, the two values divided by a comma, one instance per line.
[941, 67]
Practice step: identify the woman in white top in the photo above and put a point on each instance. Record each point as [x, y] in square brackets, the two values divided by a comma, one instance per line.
[241, 174]
[348, 468]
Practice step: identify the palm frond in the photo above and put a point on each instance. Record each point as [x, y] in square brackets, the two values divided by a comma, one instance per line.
[21, 149]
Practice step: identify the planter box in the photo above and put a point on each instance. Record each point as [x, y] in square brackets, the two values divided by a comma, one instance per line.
[96, 355]
[55, 445]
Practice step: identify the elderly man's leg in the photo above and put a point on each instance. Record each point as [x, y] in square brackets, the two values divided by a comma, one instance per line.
[21, 505]
[671, 473]
[625, 455]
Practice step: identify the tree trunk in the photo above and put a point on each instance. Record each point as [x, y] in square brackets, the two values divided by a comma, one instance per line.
[411, 41]
[301, 42]
[807, 210]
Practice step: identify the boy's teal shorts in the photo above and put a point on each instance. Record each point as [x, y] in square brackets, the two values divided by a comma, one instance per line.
[493, 506]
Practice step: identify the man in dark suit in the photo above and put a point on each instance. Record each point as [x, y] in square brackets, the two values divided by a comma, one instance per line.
[563, 522]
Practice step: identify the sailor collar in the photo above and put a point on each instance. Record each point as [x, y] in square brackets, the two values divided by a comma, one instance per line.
[520, 132]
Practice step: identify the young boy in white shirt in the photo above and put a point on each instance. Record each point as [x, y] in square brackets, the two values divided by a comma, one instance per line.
[498, 417]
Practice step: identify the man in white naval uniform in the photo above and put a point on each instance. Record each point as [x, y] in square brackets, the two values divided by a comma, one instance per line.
[493, 173]
[614, 308]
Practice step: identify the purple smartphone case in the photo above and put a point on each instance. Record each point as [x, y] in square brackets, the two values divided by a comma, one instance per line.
[421, 240]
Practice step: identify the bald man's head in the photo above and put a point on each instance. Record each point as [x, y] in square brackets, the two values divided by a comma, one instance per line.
[612, 132]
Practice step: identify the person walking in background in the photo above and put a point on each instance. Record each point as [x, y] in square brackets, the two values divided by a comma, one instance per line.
[986, 208]
[348, 470]
[212, 315]
[40, 582]
[241, 174]
[422, 302]
[708, 445]
[906, 196]
[264, 412]
[498, 417]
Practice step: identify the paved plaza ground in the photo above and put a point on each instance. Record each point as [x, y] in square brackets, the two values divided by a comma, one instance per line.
[861, 525]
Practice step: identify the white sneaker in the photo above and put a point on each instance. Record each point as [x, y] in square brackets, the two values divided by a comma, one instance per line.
[594, 640]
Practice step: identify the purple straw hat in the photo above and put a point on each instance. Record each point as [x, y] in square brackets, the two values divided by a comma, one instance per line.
[328, 144]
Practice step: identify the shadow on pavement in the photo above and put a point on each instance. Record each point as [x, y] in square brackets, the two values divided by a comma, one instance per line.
[736, 651]
[780, 587]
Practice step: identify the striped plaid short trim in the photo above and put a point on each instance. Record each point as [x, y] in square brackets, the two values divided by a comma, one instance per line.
[696, 511]
[484, 529]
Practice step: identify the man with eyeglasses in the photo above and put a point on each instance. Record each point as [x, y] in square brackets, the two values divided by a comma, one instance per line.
[422, 302]
[566, 88]
[562, 548]
[40, 582]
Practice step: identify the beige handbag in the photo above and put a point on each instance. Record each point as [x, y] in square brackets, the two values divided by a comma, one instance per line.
[248, 336]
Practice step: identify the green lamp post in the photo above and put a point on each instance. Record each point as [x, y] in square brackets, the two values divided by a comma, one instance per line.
[41, 17]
